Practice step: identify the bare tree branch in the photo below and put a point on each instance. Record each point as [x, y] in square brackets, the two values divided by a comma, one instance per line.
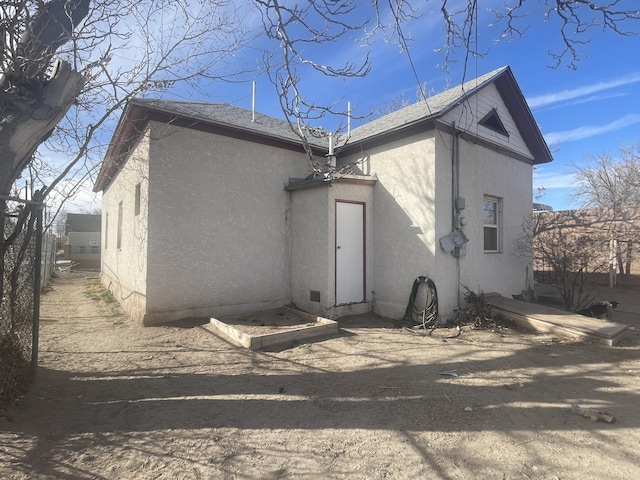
[68, 67]
[576, 18]
[603, 181]
[293, 28]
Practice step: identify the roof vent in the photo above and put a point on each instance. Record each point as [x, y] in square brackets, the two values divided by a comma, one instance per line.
[492, 120]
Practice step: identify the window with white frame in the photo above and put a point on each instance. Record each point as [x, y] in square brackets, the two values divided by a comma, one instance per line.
[491, 214]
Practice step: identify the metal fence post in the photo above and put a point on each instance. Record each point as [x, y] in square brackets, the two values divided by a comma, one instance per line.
[36, 291]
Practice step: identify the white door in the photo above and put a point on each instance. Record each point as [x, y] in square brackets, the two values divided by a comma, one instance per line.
[350, 253]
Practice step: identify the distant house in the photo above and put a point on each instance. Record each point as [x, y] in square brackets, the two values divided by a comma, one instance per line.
[83, 233]
[82, 222]
[210, 210]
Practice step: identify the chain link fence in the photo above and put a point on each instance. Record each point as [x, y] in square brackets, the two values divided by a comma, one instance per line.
[18, 302]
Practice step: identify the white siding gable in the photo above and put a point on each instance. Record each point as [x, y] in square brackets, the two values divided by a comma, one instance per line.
[475, 108]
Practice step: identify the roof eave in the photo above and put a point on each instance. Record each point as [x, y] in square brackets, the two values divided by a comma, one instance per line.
[513, 97]
[527, 126]
[131, 123]
[422, 125]
[138, 113]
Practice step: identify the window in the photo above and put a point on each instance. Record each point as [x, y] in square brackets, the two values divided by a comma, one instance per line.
[491, 207]
[492, 121]
[119, 233]
[137, 202]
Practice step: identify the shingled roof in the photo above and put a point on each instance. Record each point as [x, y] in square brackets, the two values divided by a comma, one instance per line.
[230, 116]
[429, 108]
[242, 123]
[424, 114]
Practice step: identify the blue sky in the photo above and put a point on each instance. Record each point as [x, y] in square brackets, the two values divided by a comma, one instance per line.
[587, 111]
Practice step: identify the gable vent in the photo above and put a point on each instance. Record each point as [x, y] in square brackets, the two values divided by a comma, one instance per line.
[492, 120]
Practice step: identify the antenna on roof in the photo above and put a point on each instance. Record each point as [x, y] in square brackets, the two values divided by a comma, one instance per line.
[331, 156]
[348, 119]
[253, 102]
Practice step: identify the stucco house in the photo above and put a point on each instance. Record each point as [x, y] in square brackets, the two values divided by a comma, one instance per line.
[82, 244]
[209, 209]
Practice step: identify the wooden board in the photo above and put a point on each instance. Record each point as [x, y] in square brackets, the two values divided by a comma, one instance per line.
[315, 327]
[548, 319]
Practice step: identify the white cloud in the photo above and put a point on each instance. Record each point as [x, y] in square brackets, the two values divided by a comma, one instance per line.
[570, 94]
[552, 179]
[587, 131]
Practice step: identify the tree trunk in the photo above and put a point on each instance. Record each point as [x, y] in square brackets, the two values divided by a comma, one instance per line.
[629, 254]
[29, 120]
[35, 94]
[36, 91]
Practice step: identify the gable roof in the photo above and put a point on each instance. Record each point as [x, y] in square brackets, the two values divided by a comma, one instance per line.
[427, 109]
[83, 222]
[425, 113]
[241, 123]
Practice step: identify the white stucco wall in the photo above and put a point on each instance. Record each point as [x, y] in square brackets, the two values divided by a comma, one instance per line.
[483, 172]
[219, 224]
[313, 258]
[218, 234]
[507, 176]
[413, 209]
[124, 269]
[404, 221]
[310, 248]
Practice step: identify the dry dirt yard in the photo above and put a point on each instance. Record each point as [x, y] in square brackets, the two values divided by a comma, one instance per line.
[113, 400]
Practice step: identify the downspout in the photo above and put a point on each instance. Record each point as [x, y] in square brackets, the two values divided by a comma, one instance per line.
[454, 177]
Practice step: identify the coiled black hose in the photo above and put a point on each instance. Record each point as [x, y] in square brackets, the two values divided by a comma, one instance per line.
[416, 315]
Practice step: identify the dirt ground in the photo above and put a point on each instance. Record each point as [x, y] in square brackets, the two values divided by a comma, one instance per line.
[113, 400]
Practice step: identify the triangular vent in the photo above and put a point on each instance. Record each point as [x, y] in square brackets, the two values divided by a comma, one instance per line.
[492, 120]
